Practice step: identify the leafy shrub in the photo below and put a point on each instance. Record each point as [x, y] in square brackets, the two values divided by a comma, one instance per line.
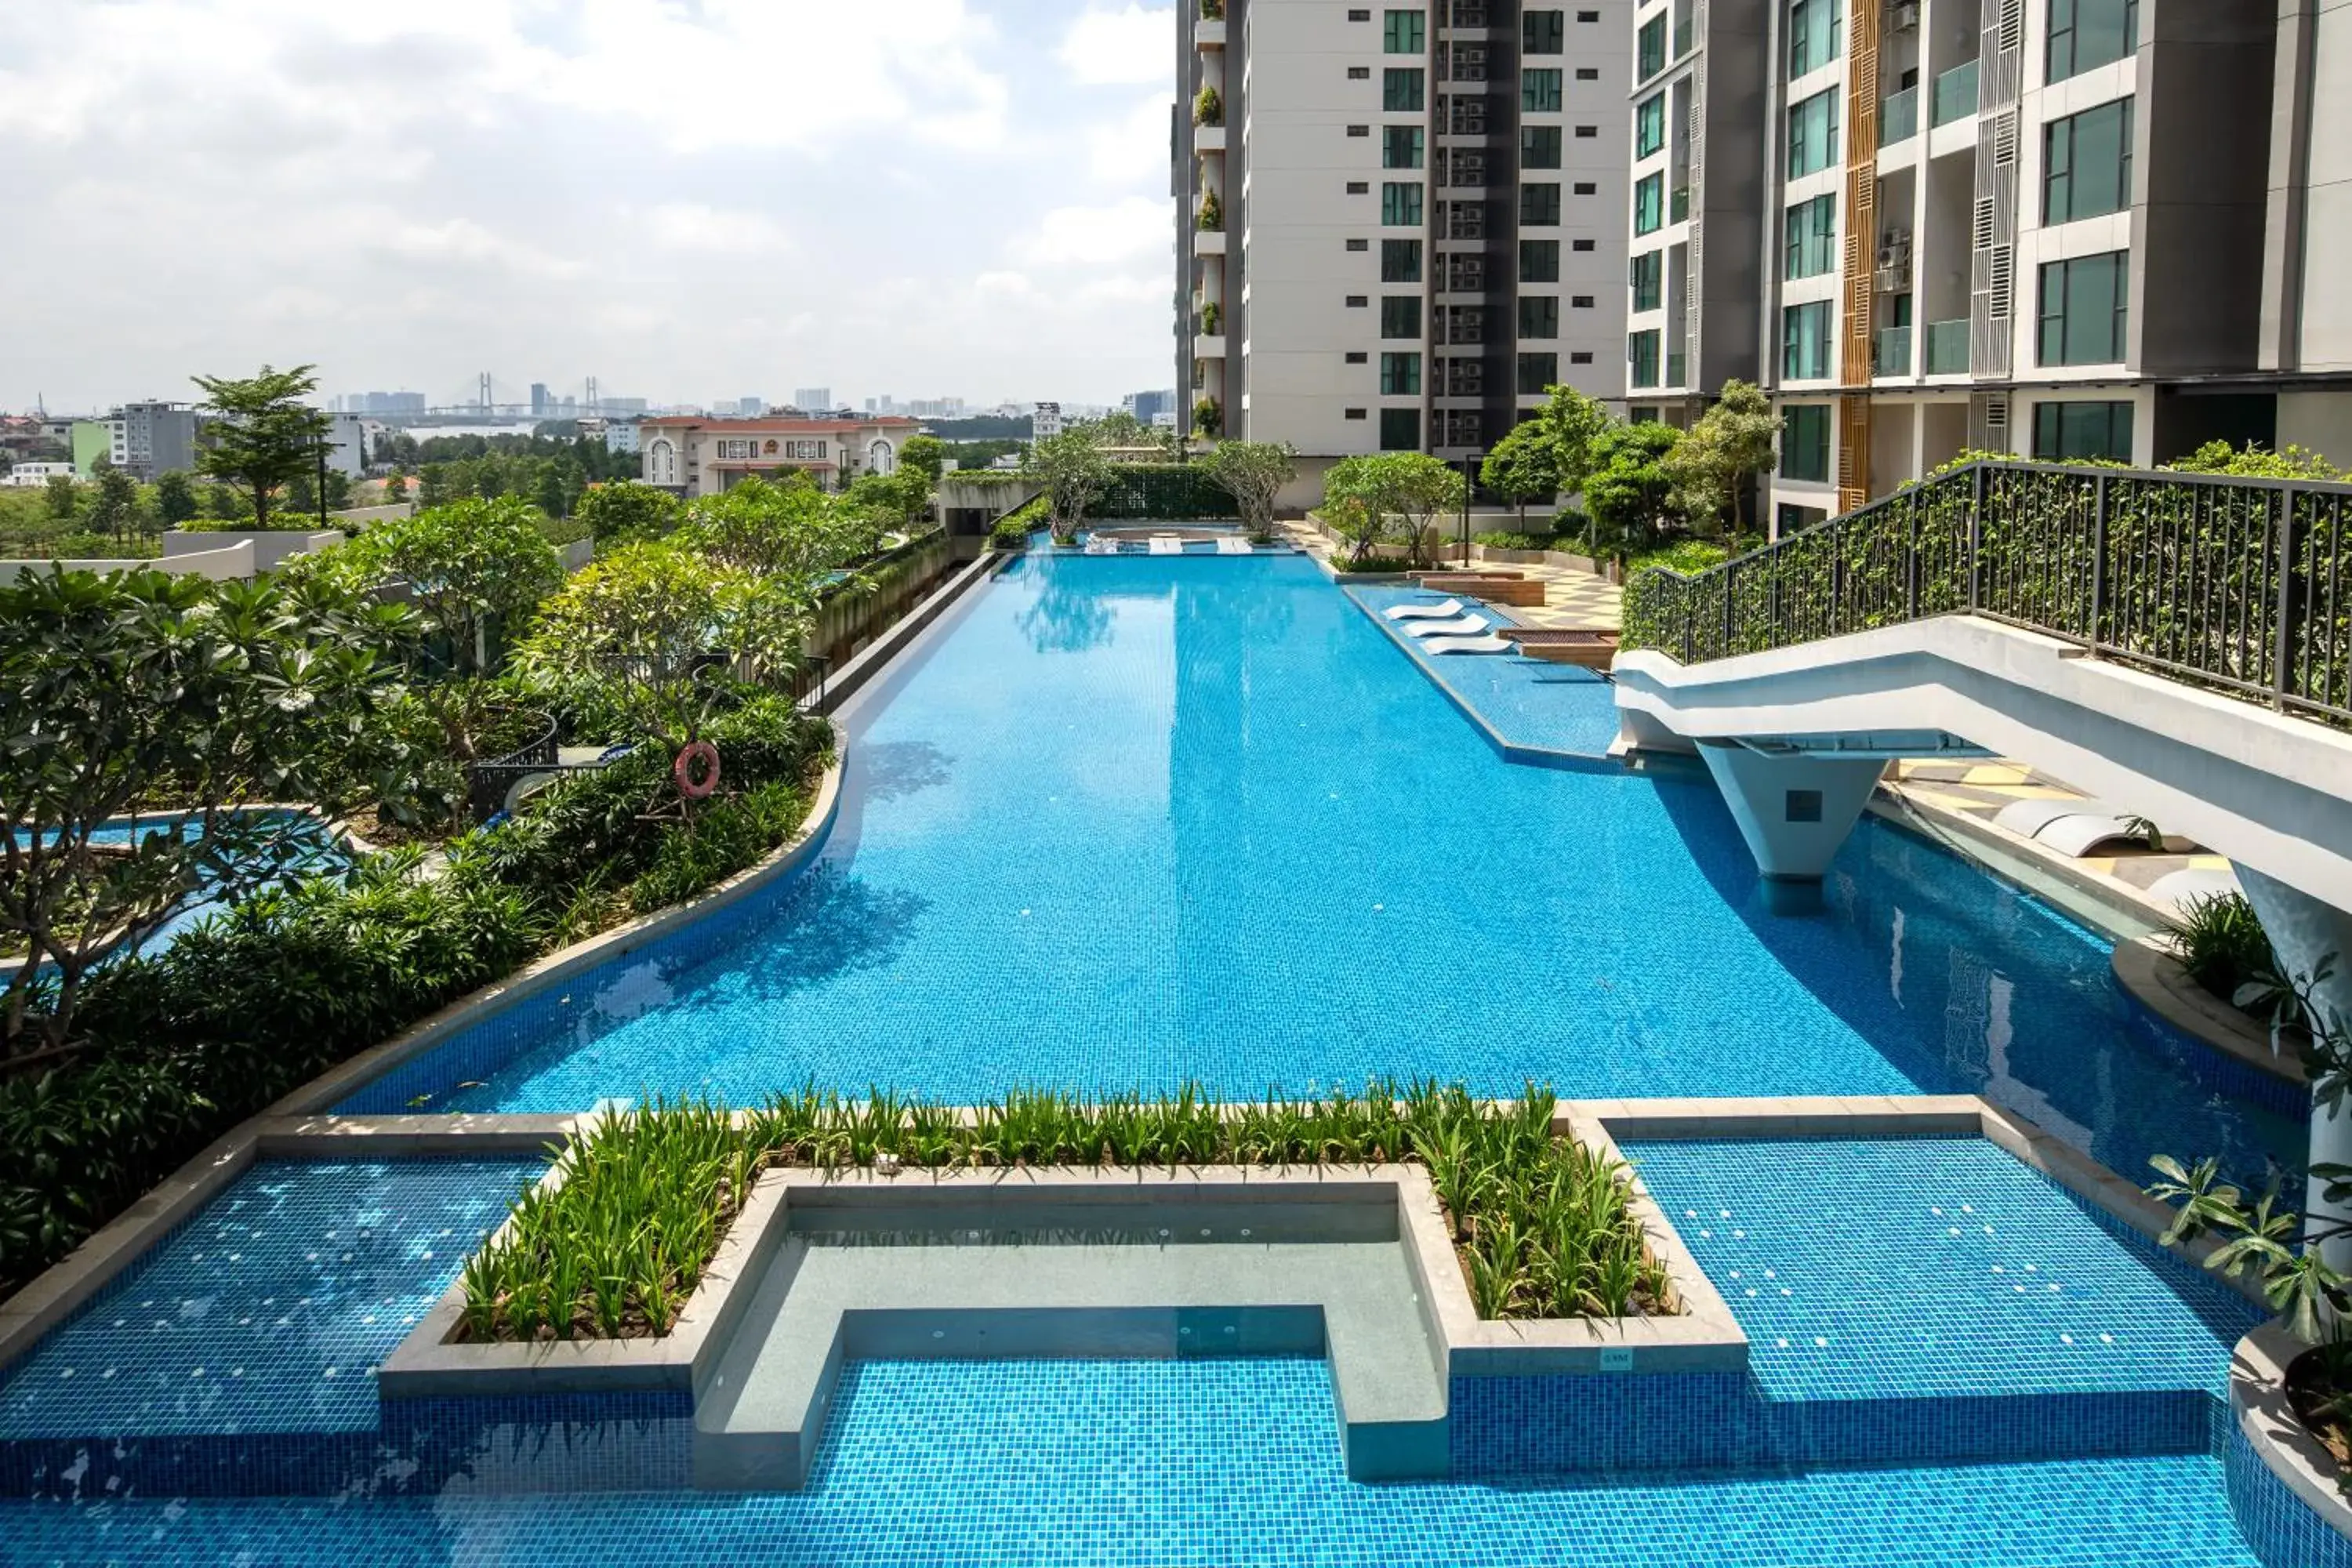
[1497, 540]
[1012, 530]
[1683, 556]
[251, 1004]
[2221, 942]
[1544, 1225]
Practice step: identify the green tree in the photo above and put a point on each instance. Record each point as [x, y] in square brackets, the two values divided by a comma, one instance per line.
[221, 503]
[58, 497]
[642, 629]
[466, 565]
[1523, 466]
[1413, 488]
[262, 434]
[1254, 473]
[628, 510]
[433, 485]
[1629, 492]
[116, 509]
[926, 455]
[1075, 473]
[1573, 422]
[395, 489]
[1714, 463]
[212, 695]
[175, 499]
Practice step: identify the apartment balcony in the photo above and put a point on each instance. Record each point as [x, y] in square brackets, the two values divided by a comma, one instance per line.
[1678, 205]
[1898, 117]
[1209, 242]
[1677, 369]
[1956, 94]
[1209, 35]
[1891, 352]
[1208, 139]
[1948, 347]
[1207, 347]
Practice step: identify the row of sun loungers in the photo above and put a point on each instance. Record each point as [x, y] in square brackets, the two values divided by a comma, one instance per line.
[1450, 626]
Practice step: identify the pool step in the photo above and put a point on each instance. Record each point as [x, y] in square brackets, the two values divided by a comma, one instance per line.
[759, 1417]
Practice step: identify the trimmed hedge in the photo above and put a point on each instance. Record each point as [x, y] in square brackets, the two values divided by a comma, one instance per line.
[1173, 492]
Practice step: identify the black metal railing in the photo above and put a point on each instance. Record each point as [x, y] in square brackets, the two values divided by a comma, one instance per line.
[2244, 586]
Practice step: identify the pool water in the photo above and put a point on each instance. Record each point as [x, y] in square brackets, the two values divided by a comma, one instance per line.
[1124, 823]
[1918, 1268]
[1191, 1462]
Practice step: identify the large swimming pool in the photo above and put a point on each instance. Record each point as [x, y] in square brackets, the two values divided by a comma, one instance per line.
[1124, 822]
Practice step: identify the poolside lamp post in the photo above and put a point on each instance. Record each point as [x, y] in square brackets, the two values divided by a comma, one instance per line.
[1469, 480]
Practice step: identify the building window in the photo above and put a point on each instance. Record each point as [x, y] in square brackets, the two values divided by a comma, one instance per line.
[1538, 316]
[1580, 356]
[1404, 33]
[1540, 147]
[1805, 342]
[1360, 187]
[1357, 356]
[1650, 126]
[1401, 203]
[1812, 133]
[2074, 430]
[1647, 276]
[1538, 261]
[1650, 48]
[1538, 206]
[1538, 373]
[1359, 73]
[1539, 90]
[1587, 188]
[1360, 245]
[1580, 245]
[1359, 130]
[1812, 240]
[2085, 308]
[1648, 204]
[1359, 413]
[1400, 429]
[1399, 315]
[1400, 376]
[1588, 73]
[1813, 35]
[1400, 261]
[2086, 164]
[1543, 32]
[1641, 359]
[1358, 13]
[1805, 442]
[1359, 302]
[1401, 146]
[736, 450]
[1579, 301]
[1401, 89]
[2086, 34]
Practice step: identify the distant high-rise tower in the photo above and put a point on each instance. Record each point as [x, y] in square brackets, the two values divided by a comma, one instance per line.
[540, 403]
[815, 399]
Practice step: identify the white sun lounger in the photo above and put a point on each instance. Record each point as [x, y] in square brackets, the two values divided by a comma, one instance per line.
[1167, 544]
[2027, 818]
[1417, 612]
[1233, 544]
[1466, 625]
[1469, 645]
[2181, 888]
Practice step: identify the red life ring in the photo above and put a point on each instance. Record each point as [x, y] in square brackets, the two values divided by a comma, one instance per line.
[698, 756]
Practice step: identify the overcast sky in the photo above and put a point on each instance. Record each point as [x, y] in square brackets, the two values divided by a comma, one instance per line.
[684, 198]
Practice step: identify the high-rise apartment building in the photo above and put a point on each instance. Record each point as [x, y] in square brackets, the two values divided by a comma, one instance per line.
[2060, 228]
[148, 439]
[1398, 224]
[813, 398]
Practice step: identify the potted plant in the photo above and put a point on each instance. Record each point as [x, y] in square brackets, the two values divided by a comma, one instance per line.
[1208, 419]
[1209, 108]
[1213, 214]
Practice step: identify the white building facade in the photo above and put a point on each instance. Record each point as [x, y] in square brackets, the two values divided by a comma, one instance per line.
[696, 457]
[1398, 224]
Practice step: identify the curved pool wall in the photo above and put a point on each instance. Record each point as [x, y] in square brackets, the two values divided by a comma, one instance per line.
[1120, 822]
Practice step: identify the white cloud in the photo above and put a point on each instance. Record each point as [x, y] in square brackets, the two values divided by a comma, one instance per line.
[1125, 48]
[692, 225]
[1092, 236]
[677, 196]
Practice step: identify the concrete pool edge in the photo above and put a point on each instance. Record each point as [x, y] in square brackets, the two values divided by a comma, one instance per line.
[349, 1077]
[2295, 1465]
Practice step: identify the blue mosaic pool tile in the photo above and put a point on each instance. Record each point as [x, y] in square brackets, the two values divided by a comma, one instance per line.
[2282, 1531]
[268, 1310]
[577, 1443]
[1924, 1267]
[1188, 1463]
